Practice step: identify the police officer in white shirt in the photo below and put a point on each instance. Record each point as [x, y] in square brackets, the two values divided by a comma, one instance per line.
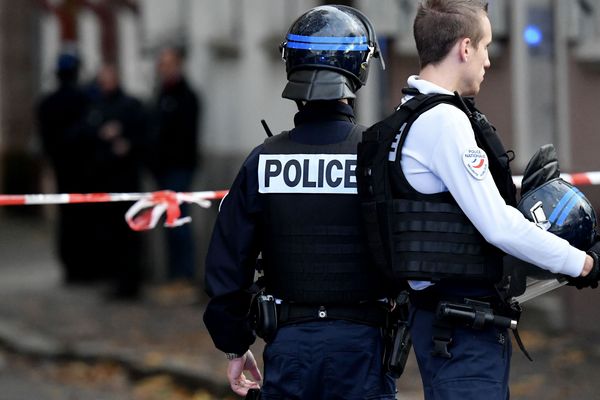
[455, 214]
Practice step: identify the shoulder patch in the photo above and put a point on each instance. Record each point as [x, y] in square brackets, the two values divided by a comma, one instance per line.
[476, 162]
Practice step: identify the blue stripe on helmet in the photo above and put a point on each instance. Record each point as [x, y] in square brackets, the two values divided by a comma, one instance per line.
[565, 213]
[335, 47]
[563, 201]
[328, 39]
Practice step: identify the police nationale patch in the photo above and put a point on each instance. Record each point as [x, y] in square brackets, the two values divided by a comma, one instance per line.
[476, 162]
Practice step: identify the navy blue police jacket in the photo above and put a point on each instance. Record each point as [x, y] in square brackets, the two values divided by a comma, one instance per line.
[235, 243]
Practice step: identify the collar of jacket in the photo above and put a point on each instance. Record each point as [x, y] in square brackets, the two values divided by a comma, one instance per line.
[315, 111]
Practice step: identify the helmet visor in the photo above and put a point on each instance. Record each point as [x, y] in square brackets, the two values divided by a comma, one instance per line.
[341, 53]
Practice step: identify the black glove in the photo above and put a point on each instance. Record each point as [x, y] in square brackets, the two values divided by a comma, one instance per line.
[591, 279]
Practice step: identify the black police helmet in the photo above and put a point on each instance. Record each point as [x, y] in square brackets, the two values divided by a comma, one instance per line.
[334, 38]
[562, 209]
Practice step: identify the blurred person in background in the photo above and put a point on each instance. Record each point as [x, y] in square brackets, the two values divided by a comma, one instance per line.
[116, 130]
[173, 155]
[60, 118]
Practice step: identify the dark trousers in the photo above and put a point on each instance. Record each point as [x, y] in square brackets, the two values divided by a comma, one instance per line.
[326, 360]
[180, 245]
[479, 367]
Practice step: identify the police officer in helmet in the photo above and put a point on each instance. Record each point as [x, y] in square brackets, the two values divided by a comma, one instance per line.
[454, 211]
[294, 202]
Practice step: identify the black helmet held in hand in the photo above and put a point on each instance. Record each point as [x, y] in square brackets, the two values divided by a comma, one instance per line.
[562, 209]
[327, 52]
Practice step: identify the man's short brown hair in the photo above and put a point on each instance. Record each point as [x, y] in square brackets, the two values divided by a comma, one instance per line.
[440, 23]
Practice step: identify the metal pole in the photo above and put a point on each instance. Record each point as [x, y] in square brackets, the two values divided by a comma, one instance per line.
[562, 83]
[520, 92]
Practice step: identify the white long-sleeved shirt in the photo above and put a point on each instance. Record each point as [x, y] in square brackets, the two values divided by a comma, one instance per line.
[435, 159]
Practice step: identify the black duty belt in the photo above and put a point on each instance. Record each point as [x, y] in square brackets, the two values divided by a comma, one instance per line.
[371, 313]
[429, 299]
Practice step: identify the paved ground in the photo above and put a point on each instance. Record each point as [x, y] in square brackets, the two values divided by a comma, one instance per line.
[60, 342]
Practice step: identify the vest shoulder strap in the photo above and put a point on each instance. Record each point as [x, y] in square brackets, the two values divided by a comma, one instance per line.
[273, 142]
[276, 139]
[386, 129]
[373, 151]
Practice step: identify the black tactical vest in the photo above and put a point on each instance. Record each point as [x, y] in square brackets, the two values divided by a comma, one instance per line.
[314, 251]
[426, 236]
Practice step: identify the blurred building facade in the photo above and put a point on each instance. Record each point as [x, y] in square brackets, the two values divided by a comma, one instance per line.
[541, 88]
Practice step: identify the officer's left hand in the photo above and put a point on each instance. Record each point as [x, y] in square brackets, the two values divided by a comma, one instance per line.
[235, 374]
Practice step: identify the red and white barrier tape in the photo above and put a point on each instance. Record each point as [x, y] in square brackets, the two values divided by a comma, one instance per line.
[578, 179]
[143, 215]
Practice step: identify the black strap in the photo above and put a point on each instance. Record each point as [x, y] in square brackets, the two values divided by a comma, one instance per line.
[521, 345]
[442, 338]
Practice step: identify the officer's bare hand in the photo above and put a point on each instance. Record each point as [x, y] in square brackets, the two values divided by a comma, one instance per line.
[235, 374]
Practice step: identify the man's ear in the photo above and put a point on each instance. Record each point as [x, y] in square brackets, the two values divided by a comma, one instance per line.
[464, 49]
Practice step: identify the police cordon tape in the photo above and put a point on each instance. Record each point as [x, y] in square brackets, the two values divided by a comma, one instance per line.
[143, 215]
[577, 179]
[148, 208]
